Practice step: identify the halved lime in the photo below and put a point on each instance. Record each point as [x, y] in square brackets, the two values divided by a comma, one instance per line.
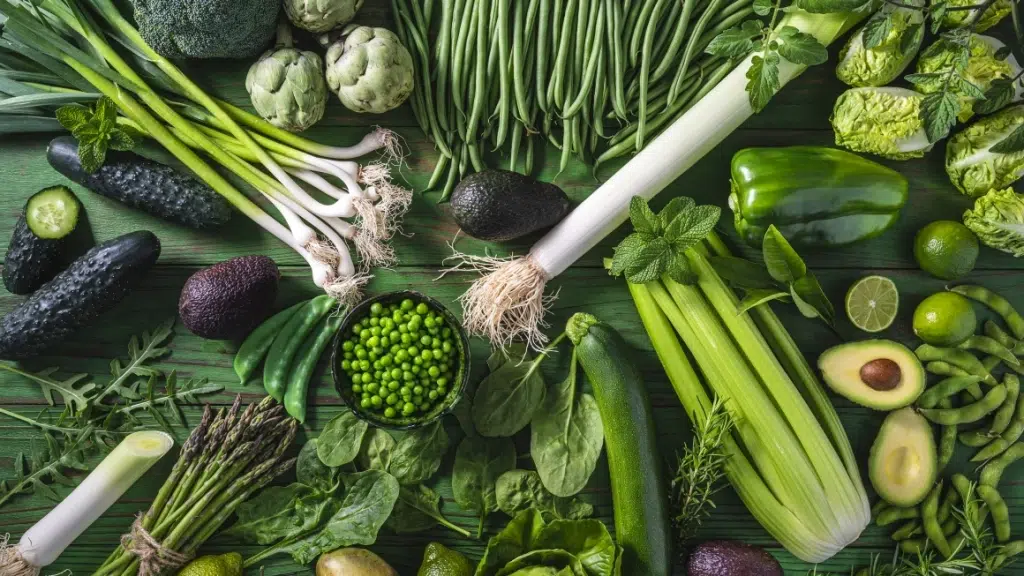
[872, 303]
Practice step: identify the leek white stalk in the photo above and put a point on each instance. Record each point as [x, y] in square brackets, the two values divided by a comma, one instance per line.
[47, 539]
[509, 302]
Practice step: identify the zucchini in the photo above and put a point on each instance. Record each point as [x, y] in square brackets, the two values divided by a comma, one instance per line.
[39, 241]
[143, 184]
[639, 491]
[90, 286]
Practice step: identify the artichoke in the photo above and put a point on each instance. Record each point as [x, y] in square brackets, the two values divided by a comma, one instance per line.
[370, 70]
[287, 85]
[321, 15]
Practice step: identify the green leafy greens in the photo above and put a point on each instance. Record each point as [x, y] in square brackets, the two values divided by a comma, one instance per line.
[96, 130]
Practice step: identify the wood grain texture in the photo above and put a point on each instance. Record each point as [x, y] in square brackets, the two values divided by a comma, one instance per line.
[799, 115]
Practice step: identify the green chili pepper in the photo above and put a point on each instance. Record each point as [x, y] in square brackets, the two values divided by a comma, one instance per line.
[997, 303]
[999, 511]
[956, 357]
[302, 369]
[945, 389]
[993, 471]
[931, 524]
[256, 345]
[969, 413]
[287, 342]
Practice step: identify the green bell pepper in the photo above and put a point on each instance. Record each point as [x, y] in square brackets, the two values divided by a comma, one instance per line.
[815, 196]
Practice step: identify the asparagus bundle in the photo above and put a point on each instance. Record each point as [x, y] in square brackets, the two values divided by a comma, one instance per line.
[226, 459]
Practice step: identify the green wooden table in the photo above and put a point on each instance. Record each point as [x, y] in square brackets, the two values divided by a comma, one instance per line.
[799, 115]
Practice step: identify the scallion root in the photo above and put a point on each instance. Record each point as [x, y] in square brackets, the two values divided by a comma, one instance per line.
[11, 561]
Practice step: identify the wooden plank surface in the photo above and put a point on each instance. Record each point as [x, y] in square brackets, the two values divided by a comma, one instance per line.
[798, 116]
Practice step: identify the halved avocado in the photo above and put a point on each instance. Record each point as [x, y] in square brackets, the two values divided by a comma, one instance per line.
[879, 374]
[903, 462]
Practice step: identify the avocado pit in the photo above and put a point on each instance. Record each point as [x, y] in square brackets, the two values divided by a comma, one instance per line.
[881, 374]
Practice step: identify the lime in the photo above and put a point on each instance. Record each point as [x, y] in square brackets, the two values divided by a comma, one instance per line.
[229, 564]
[945, 319]
[872, 303]
[946, 249]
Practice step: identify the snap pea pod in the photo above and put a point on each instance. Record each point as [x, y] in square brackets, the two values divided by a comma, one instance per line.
[970, 412]
[907, 531]
[997, 303]
[943, 368]
[947, 440]
[998, 509]
[302, 369]
[960, 358]
[989, 346]
[897, 514]
[286, 344]
[993, 471]
[945, 389]
[255, 347]
[1012, 433]
[931, 524]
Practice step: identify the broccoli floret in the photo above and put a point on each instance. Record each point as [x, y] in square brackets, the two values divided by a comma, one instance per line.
[207, 28]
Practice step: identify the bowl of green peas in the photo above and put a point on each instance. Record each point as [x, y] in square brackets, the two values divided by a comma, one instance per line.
[401, 360]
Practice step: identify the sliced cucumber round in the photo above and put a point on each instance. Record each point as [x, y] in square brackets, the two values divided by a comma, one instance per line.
[52, 213]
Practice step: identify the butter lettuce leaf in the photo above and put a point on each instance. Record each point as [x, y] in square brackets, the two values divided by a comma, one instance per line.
[998, 220]
[971, 164]
[882, 121]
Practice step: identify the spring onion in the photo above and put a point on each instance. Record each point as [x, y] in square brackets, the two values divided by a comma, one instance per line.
[46, 540]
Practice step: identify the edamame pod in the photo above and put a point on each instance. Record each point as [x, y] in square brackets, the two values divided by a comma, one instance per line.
[947, 444]
[1001, 421]
[996, 332]
[931, 524]
[896, 514]
[993, 471]
[1008, 551]
[975, 438]
[1013, 433]
[913, 547]
[989, 346]
[969, 413]
[286, 344]
[960, 358]
[997, 303]
[255, 347]
[302, 369]
[942, 368]
[944, 389]
[908, 530]
[999, 511]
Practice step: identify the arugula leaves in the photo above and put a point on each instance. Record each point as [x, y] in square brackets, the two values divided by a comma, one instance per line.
[659, 242]
[784, 277]
[97, 131]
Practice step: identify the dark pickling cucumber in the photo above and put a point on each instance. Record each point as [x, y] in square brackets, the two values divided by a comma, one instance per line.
[90, 286]
[38, 243]
[144, 184]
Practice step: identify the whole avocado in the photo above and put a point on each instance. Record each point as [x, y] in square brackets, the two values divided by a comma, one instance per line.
[498, 205]
[439, 560]
[730, 558]
[228, 300]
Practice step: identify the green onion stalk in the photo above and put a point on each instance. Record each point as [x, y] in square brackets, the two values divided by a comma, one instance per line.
[60, 51]
[230, 456]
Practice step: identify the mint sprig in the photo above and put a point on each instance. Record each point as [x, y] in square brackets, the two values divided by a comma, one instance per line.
[97, 131]
[659, 242]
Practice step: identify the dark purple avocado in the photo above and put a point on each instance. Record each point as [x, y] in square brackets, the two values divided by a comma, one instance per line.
[498, 205]
[731, 558]
[228, 300]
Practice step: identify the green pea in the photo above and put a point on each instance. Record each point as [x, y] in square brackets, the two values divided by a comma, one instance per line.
[376, 308]
[406, 366]
[374, 321]
[403, 328]
[408, 376]
[402, 356]
[364, 365]
[436, 354]
[356, 388]
[372, 387]
[376, 401]
[346, 365]
[347, 346]
[430, 322]
[408, 409]
[386, 361]
[365, 403]
[421, 308]
[392, 399]
[361, 353]
[418, 390]
[396, 373]
[364, 334]
[390, 412]
[393, 385]
[432, 394]
[434, 371]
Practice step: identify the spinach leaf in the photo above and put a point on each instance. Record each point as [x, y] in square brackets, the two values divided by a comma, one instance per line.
[418, 509]
[566, 437]
[519, 490]
[418, 455]
[309, 470]
[478, 464]
[271, 516]
[533, 564]
[341, 439]
[516, 539]
[378, 447]
[369, 501]
[588, 540]
[507, 398]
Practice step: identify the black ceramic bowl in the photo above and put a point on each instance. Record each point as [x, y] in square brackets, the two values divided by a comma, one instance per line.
[343, 384]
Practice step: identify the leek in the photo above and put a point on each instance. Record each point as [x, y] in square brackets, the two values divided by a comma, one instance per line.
[47, 539]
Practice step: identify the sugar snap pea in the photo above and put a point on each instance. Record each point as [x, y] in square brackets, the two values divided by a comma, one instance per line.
[993, 471]
[302, 370]
[255, 347]
[945, 389]
[960, 358]
[286, 344]
[1012, 433]
[998, 509]
[897, 514]
[930, 522]
[989, 346]
[907, 531]
[943, 368]
[947, 440]
[997, 303]
[970, 412]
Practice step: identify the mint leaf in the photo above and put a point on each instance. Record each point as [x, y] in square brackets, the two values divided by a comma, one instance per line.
[679, 270]
[1014, 142]
[91, 155]
[938, 113]
[782, 261]
[999, 94]
[800, 47]
[72, 116]
[651, 261]
[754, 298]
[877, 29]
[626, 252]
[763, 80]
[736, 42]
[808, 291]
[106, 113]
[763, 7]
[742, 274]
[643, 219]
[692, 226]
[121, 140]
[674, 208]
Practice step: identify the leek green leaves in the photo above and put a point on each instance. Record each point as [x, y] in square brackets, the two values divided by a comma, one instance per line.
[97, 131]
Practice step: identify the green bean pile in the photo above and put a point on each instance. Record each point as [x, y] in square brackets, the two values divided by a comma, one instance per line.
[494, 75]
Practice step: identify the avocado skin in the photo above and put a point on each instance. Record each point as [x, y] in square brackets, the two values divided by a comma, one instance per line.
[30, 261]
[90, 286]
[498, 205]
[228, 300]
[729, 558]
[143, 184]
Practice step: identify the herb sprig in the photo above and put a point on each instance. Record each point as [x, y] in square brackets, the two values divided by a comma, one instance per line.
[700, 471]
[96, 130]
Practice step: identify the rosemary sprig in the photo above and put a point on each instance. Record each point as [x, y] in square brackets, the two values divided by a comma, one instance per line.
[700, 471]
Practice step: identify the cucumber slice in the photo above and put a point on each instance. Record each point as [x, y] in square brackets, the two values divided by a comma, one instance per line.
[52, 213]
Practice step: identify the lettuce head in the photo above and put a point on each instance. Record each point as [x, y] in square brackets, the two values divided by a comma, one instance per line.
[880, 65]
[992, 16]
[982, 68]
[971, 164]
[883, 121]
[998, 220]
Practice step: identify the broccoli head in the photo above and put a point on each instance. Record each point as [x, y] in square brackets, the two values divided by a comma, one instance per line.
[207, 28]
